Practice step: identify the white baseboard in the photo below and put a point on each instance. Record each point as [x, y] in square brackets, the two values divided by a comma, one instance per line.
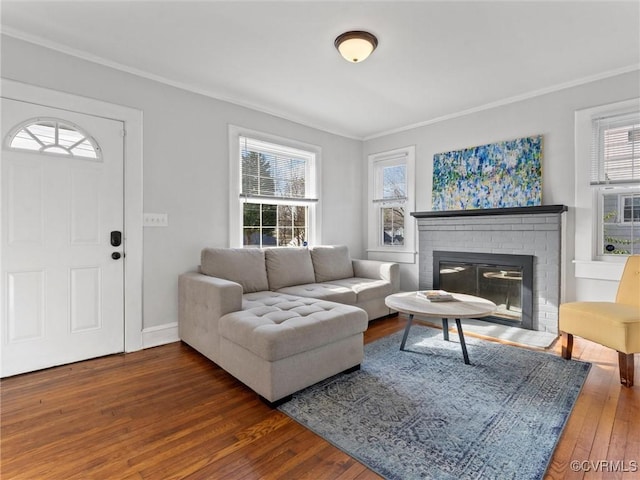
[160, 335]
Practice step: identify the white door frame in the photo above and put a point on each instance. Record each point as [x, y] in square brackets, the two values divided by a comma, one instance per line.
[132, 120]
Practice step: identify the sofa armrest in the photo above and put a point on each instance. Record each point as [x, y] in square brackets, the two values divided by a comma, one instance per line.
[388, 271]
[202, 301]
[219, 295]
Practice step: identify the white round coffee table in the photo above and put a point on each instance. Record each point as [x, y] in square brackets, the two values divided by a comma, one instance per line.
[462, 306]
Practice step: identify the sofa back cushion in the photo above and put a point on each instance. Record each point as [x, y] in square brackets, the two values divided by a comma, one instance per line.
[289, 266]
[331, 263]
[245, 266]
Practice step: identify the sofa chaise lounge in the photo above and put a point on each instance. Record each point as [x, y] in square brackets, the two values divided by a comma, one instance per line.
[282, 319]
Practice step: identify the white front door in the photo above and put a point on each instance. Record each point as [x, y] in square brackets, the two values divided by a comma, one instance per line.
[62, 289]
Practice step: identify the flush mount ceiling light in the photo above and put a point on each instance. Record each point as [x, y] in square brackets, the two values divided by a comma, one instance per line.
[356, 46]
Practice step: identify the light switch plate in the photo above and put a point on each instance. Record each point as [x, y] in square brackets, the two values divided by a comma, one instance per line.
[155, 220]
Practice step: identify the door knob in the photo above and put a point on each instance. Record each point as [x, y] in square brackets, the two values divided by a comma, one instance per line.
[116, 255]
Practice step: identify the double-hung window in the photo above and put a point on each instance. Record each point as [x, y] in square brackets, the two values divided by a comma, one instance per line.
[615, 179]
[391, 200]
[275, 191]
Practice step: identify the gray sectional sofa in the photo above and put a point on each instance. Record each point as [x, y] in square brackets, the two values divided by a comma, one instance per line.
[282, 319]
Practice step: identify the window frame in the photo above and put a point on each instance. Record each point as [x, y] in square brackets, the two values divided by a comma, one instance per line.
[603, 186]
[237, 199]
[376, 248]
[588, 227]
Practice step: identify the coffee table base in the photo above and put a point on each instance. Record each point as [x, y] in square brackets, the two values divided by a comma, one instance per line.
[445, 334]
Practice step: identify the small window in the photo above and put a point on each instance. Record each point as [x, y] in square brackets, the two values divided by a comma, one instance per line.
[53, 136]
[391, 192]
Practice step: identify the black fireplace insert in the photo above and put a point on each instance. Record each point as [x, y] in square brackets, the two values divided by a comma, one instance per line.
[506, 280]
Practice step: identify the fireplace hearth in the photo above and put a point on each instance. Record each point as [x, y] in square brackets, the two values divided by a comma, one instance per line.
[506, 280]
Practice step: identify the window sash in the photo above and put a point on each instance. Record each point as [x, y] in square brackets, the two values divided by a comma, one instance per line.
[273, 224]
[382, 191]
[392, 225]
[616, 236]
[390, 201]
[615, 156]
[277, 200]
[270, 171]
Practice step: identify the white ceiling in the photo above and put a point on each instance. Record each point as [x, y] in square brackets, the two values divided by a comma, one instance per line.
[435, 60]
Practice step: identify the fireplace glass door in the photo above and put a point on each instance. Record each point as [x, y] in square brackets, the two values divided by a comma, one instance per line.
[502, 284]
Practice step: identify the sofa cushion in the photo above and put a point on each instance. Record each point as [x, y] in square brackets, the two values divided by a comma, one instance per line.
[288, 266]
[277, 326]
[331, 263]
[245, 266]
[366, 288]
[323, 291]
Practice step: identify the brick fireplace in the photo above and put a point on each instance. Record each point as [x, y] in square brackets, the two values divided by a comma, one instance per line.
[523, 231]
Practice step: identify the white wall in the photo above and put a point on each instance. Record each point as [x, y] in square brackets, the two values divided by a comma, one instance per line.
[186, 164]
[551, 115]
[186, 160]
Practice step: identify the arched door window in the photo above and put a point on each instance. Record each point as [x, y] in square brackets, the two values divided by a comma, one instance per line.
[54, 136]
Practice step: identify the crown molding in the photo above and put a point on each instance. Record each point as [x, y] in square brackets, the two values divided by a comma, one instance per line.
[73, 52]
[510, 100]
[37, 40]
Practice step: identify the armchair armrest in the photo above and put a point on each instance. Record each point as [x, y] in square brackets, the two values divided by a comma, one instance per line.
[375, 269]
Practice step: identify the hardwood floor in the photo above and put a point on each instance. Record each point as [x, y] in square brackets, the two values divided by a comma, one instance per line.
[169, 413]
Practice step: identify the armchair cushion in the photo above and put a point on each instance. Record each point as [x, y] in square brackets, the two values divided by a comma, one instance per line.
[613, 325]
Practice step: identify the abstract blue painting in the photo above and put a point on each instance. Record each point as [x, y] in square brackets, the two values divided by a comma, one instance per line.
[499, 175]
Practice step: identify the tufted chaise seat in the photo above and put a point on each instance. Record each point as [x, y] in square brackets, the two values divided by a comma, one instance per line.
[276, 326]
[279, 343]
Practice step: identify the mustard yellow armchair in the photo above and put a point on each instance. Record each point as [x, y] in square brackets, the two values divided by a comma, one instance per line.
[612, 324]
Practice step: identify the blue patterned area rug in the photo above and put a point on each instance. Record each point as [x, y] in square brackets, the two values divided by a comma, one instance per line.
[424, 414]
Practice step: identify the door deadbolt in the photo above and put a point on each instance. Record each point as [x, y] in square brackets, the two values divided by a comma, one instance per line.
[116, 255]
[116, 238]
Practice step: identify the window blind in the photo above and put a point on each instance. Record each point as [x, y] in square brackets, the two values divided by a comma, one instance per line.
[274, 171]
[615, 157]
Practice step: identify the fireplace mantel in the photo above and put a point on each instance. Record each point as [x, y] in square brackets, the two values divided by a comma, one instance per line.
[541, 209]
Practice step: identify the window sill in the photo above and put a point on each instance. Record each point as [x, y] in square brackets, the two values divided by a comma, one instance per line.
[598, 270]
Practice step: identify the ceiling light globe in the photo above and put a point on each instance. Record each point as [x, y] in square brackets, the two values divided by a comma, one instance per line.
[356, 46]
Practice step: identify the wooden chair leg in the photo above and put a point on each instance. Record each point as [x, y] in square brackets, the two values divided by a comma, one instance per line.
[625, 362]
[567, 345]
